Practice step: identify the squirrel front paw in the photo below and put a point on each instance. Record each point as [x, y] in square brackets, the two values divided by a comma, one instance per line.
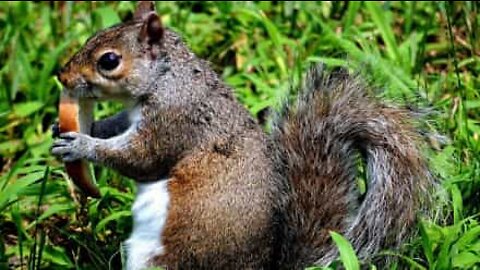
[73, 146]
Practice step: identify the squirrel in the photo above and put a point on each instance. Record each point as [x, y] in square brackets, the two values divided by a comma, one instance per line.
[216, 191]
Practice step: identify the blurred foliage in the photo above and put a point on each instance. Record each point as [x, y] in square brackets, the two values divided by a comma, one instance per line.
[424, 54]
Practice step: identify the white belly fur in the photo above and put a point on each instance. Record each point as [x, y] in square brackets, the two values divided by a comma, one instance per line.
[149, 216]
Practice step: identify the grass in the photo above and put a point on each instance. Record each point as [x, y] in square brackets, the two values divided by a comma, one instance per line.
[425, 54]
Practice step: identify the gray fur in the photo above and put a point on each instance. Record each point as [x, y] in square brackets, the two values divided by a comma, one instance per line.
[338, 118]
[302, 181]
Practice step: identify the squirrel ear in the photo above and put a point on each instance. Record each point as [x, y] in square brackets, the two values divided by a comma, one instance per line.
[144, 8]
[152, 29]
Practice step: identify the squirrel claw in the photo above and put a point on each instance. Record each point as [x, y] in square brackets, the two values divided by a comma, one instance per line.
[55, 130]
[69, 136]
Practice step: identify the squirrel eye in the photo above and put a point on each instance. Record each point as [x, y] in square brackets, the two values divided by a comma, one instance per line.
[109, 61]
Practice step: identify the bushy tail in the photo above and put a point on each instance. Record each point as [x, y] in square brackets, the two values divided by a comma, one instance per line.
[322, 139]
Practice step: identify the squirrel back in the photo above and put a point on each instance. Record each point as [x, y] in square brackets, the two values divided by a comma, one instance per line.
[321, 138]
[215, 191]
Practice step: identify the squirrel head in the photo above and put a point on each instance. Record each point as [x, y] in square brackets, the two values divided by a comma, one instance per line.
[114, 63]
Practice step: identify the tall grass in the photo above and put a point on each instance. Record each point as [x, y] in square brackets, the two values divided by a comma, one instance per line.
[425, 54]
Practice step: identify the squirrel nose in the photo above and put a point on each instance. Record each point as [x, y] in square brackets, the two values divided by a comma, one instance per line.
[61, 75]
[58, 71]
[67, 78]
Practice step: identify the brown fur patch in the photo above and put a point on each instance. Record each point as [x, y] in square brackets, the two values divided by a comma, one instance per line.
[219, 216]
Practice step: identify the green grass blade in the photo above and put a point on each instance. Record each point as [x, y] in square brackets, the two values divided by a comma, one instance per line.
[347, 254]
[113, 217]
[378, 16]
[457, 203]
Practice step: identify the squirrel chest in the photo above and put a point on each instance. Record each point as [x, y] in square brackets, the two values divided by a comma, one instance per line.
[150, 211]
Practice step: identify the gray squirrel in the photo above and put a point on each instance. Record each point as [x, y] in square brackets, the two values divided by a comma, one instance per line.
[217, 192]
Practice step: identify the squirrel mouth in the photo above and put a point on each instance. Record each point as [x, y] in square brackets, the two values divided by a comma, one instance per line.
[83, 90]
[76, 114]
